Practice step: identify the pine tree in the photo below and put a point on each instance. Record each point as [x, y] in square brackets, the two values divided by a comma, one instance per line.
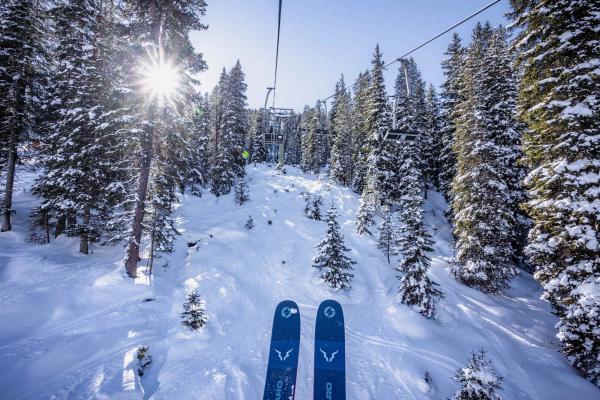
[379, 185]
[366, 212]
[432, 147]
[293, 142]
[558, 54]
[258, 153]
[22, 58]
[479, 380]
[449, 99]
[386, 241]
[416, 289]
[194, 315]
[235, 117]
[331, 260]
[77, 153]
[221, 171]
[199, 150]
[228, 130]
[164, 26]
[341, 152]
[310, 142]
[360, 150]
[241, 192]
[484, 217]
[316, 202]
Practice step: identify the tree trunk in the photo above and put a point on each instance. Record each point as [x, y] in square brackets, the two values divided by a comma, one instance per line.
[133, 247]
[84, 240]
[10, 180]
[12, 157]
[60, 225]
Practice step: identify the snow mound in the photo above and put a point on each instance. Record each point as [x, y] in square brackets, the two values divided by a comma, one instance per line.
[70, 324]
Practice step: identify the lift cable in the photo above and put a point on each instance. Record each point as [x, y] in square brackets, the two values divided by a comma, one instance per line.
[277, 53]
[428, 41]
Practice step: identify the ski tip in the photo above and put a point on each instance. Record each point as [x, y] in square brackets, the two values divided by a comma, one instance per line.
[330, 308]
[287, 309]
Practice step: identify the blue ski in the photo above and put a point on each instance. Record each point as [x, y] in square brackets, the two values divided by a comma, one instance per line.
[283, 354]
[330, 357]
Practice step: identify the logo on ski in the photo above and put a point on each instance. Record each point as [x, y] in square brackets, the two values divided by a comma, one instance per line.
[287, 312]
[329, 312]
[287, 354]
[329, 390]
[330, 359]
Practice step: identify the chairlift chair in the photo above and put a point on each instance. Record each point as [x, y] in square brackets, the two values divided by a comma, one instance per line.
[400, 135]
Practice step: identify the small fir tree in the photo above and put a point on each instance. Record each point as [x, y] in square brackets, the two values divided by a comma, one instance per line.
[365, 215]
[307, 202]
[332, 260]
[144, 359]
[387, 234]
[241, 192]
[315, 207]
[479, 380]
[249, 223]
[193, 315]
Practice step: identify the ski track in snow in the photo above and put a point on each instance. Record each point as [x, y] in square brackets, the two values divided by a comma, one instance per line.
[69, 322]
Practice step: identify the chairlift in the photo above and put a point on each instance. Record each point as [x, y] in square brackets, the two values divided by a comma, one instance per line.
[400, 135]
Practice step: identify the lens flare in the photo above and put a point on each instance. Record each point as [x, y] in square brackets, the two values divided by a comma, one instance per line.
[161, 80]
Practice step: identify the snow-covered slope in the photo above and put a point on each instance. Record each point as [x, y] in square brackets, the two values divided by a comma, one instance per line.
[69, 323]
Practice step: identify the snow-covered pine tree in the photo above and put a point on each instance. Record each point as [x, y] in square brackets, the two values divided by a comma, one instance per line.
[23, 28]
[341, 152]
[199, 150]
[314, 212]
[293, 142]
[77, 155]
[433, 151]
[416, 288]
[380, 178]
[449, 98]
[365, 216]
[332, 260]
[360, 150]
[386, 242]
[221, 171]
[159, 224]
[506, 132]
[194, 315]
[322, 135]
[242, 194]
[310, 142]
[307, 201]
[478, 379]
[234, 119]
[558, 54]
[229, 127]
[258, 151]
[163, 27]
[483, 214]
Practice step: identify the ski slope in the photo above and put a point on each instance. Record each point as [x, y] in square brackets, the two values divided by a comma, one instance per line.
[70, 323]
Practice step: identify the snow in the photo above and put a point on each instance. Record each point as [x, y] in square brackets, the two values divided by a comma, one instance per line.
[70, 323]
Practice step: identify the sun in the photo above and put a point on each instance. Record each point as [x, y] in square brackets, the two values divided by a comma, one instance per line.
[161, 80]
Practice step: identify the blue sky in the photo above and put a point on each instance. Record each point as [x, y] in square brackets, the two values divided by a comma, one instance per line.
[321, 39]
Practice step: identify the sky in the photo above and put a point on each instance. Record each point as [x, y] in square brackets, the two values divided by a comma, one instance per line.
[322, 39]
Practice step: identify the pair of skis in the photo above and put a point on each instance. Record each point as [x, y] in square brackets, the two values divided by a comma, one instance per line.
[329, 376]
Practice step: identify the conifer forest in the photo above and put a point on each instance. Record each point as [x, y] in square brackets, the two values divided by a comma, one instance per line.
[152, 221]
